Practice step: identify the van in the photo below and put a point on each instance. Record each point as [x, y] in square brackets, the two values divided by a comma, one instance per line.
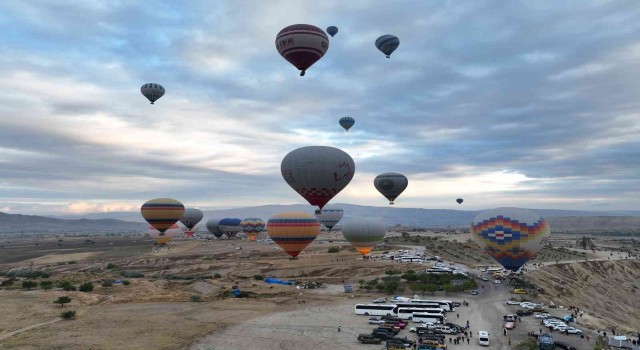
[483, 338]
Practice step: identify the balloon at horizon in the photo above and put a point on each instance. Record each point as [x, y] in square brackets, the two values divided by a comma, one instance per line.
[190, 219]
[330, 215]
[302, 45]
[213, 228]
[167, 236]
[293, 231]
[512, 236]
[162, 213]
[459, 200]
[364, 233]
[317, 173]
[252, 227]
[230, 226]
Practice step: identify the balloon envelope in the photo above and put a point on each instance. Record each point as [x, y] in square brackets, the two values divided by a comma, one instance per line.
[512, 236]
[293, 231]
[387, 44]
[152, 91]
[230, 226]
[317, 173]
[332, 30]
[164, 238]
[213, 228]
[346, 122]
[391, 185]
[252, 227]
[302, 45]
[162, 213]
[330, 215]
[363, 233]
[459, 200]
[191, 217]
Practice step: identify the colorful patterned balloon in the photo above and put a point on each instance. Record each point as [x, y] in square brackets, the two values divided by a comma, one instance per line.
[293, 231]
[162, 213]
[252, 227]
[302, 45]
[329, 216]
[512, 236]
[168, 235]
[230, 226]
[346, 122]
[317, 173]
[364, 233]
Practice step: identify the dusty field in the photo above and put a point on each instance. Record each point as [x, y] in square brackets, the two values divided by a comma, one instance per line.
[156, 311]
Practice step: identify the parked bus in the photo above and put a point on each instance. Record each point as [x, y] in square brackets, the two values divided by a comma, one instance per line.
[410, 259]
[422, 304]
[440, 271]
[406, 313]
[428, 318]
[376, 309]
[447, 305]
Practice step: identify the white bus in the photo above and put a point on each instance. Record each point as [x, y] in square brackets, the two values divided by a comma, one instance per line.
[428, 318]
[447, 305]
[376, 309]
[421, 304]
[406, 313]
[410, 259]
[440, 271]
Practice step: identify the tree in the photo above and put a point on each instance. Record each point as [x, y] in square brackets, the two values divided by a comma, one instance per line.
[68, 315]
[66, 285]
[28, 284]
[62, 300]
[86, 287]
[46, 285]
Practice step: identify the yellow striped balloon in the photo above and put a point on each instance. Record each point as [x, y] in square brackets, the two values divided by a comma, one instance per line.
[162, 213]
[293, 231]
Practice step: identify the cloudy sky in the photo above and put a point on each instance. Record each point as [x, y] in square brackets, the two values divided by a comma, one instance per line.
[530, 104]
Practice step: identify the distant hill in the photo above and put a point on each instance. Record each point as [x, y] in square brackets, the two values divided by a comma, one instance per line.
[17, 223]
[560, 220]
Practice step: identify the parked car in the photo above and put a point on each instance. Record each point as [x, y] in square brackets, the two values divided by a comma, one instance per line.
[484, 279]
[483, 338]
[513, 302]
[380, 301]
[509, 325]
[523, 312]
[543, 315]
[519, 291]
[474, 292]
[572, 330]
[376, 321]
[369, 339]
[561, 345]
[497, 282]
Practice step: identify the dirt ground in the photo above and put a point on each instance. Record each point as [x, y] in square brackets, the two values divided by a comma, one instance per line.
[157, 311]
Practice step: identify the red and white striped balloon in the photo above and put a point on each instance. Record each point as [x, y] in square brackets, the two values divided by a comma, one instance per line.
[302, 45]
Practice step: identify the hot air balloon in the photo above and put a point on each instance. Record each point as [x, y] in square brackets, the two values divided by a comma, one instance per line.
[391, 185]
[213, 228]
[293, 231]
[387, 44]
[512, 236]
[168, 235]
[317, 173]
[302, 45]
[191, 218]
[152, 91]
[329, 215]
[162, 213]
[346, 122]
[363, 233]
[252, 227]
[332, 30]
[459, 200]
[230, 226]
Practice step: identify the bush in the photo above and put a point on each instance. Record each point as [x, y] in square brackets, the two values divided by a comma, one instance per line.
[131, 274]
[196, 298]
[71, 262]
[334, 250]
[7, 283]
[126, 282]
[111, 266]
[68, 315]
[258, 277]
[86, 287]
[217, 275]
[66, 285]
[107, 283]
[29, 284]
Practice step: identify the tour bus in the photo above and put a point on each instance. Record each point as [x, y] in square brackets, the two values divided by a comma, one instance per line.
[406, 313]
[376, 309]
[447, 305]
[440, 271]
[428, 318]
[410, 259]
[425, 305]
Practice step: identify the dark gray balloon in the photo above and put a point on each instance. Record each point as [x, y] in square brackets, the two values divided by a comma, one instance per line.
[332, 30]
[391, 185]
[212, 227]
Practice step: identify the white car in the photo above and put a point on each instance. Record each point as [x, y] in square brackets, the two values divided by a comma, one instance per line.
[498, 281]
[560, 327]
[572, 330]
[554, 324]
[376, 321]
[513, 302]
[380, 301]
[483, 338]
[543, 315]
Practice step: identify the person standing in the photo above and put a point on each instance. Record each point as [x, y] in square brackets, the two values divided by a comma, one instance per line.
[504, 330]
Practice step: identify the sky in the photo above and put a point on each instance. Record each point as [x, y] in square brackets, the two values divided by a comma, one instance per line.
[529, 104]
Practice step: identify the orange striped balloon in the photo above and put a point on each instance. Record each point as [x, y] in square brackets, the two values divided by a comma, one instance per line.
[293, 231]
[162, 213]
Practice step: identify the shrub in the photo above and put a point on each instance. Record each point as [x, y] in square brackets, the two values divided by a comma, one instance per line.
[131, 274]
[68, 315]
[46, 285]
[333, 250]
[217, 275]
[71, 262]
[126, 282]
[258, 277]
[86, 287]
[107, 283]
[66, 285]
[29, 284]
[196, 298]
[111, 266]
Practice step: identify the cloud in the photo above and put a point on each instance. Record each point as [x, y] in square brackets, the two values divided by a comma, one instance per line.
[508, 104]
